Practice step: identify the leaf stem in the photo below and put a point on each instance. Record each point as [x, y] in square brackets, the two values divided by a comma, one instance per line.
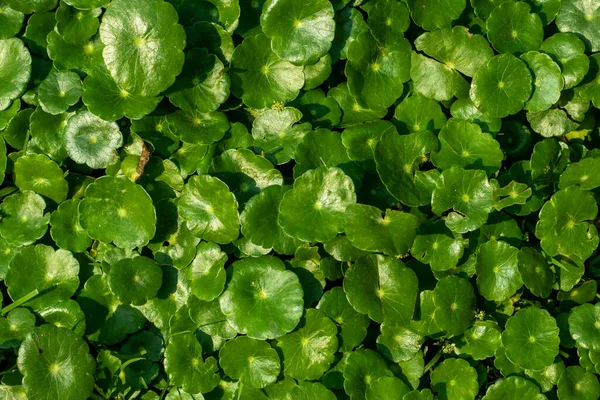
[239, 388]
[563, 353]
[433, 361]
[8, 371]
[19, 302]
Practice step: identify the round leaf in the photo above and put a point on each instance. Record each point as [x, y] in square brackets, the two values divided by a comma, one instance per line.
[262, 300]
[150, 47]
[186, 367]
[513, 387]
[259, 221]
[301, 35]
[56, 365]
[455, 379]
[584, 326]
[531, 338]
[309, 351]
[502, 86]
[23, 219]
[437, 246]
[581, 17]
[135, 280]
[498, 276]
[376, 74]
[59, 91]
[368, 230]
[207, 272]
[117, 210]
[513, 29]
[563, 227]
[576, 383]
[259, 77]
[253, 362]
[547, 81]
[92, 141]
[41, 175]
[454, 301]
[314, 210]
[15, 69]
[383, 288]
[432, 14]
[209, 209]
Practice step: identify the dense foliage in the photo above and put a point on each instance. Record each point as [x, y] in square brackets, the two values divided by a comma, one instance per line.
[299, 199]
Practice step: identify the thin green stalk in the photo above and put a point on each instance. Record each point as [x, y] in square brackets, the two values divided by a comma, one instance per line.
[433, 361]
[19, 302]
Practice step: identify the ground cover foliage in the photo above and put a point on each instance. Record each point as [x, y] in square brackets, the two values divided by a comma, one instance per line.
[299, 200]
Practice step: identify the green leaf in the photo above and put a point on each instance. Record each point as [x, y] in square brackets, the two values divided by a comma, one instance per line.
[457, 48]
[388, 20]
[324, 148]
[310, 391]
[398, 158]
[463, 143]
[59, 91]
[54, 274]
[383, 288]
[471, 204]
[435, 80]
[502, 86]
[584, 324]
[259, 77]
[245, 173]
[581, 17]
[47, 132]
[353, 325]
[41, 175]
[203, 84]
[432, 14]
[465, 109]
[576, 383]
[103, 97]
[455, 379]
[418, 113]
[207, 272]
[314, 210]
[15, 69]
[66, 314]
[15, 327]
[262, 300]
[185, 365]
[398, 343]
[352, 111]
[209, 209]
[513, 29]
[135, 280]
[253, 362]
[391, 234]
[309, 351]
[454, 301]
[376, 74]
[547, 81]
[108, 321]
[531, 338]
[90, 140]
[153, 46]
[77, 26]
[563, 227]
[259, 221]
[56, 364]
[535, 271]
[301, 35]
[498, 276]
[584, 174]
[23, 219]
[11, 21]
[481, 340]
[117, 210]
[387, 388]
[567, 50]
[437, 246]
[198, 128]
[363, 368]
[318, 109]
[513, 387]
